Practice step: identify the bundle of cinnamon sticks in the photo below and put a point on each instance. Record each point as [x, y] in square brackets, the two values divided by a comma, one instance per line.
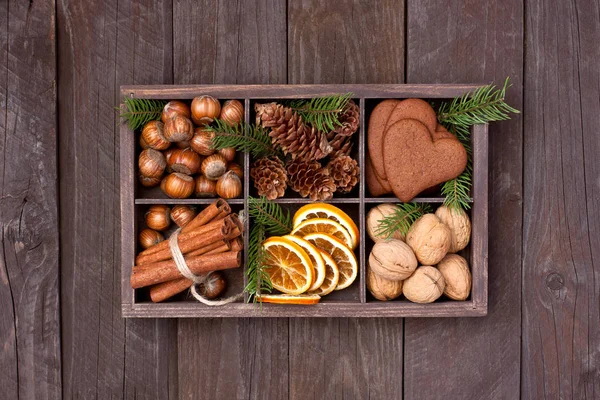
[211, 241]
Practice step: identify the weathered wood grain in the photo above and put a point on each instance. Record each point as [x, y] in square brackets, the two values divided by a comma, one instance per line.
[30, 364]
[474, 358]
[231, 42]
[345, 42]
[561, 232]
[102, 45]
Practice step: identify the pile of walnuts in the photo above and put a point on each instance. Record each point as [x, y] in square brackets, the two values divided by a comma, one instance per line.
[423, 265]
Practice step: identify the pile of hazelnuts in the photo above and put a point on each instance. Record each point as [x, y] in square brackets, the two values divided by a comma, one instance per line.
[178, 152]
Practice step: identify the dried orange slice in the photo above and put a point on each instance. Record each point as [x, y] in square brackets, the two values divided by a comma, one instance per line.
[289, 266]
[342, 255]
[305, 299]
[332, 276]
[324, 225]
[324, 210]
[315, 257]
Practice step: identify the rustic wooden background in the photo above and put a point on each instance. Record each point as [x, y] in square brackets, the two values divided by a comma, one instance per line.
[61, 333]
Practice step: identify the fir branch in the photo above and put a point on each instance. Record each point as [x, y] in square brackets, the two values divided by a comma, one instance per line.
[141, 111]
[244, 137]
[401, 219]
[484, 105]
[259, 280]
[322, 112]
[275, 220]
[456, 191]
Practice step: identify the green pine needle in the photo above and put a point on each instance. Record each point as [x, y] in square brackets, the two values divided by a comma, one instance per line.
[401, 219]
[141, 111]
[275, 220]
[484, 105]
[243, 137]
[322, 112]
[259, 280]
[268, 217]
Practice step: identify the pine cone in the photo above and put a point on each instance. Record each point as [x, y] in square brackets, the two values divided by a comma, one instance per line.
[341, 145]
[349, 118]
[309, 179]
[290, 133]
[269, 176]
[345, 172]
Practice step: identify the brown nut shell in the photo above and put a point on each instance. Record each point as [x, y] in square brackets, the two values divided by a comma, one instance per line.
[374, 217]
[178, 129]
[392, 259]
[237, 168]
[185, 161]
[229, 186]
[175, 107]
[460, 226]
[426, 285]
[158, 217]
[149, 237]
[232, 112]
[152, 163]
[147, 181]
[214, 285]
[153, 135]
[381, 288]
[202, 142]
[182, 214]
[457, 276]
[429, 238]
[228, 153]
[213, 167]
[178, 186]
[205, 187]
[205, 109]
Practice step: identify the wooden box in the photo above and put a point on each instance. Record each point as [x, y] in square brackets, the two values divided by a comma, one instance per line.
[354, 301]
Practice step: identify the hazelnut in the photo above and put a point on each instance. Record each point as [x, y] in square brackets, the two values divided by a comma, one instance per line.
[426, 285]
[429, 238]
[392, 259]
[381, 288]
[374, 218]
[460, 226]
[457, 276]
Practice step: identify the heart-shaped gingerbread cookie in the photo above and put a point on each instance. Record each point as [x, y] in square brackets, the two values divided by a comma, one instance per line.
[414, 161]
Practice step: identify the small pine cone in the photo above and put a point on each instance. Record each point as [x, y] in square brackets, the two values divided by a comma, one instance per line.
[269, 176]
[309, 179]
[289, 132]
[345, 172]
[349, 118]
[341, 145]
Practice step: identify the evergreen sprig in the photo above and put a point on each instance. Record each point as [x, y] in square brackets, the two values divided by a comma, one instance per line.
[141, 111]
[322, 112]
[268, 217]
[401, 219]
[484, 105]
[243, 137]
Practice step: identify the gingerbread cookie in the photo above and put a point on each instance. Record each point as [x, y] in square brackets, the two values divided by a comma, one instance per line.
[415, 162]
[374, 184]
[441, 132]
[377, 123]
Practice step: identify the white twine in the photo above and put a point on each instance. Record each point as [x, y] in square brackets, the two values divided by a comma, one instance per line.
[197, 279]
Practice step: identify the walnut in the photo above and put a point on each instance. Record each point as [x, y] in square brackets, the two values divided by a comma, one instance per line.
[392, 259]
[457, 276]
[424, 286]
[374, 217]
[429, 238]
[381, 288]
[460, 226]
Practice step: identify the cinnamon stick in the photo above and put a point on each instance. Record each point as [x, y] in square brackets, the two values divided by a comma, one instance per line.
[190, 241]
[165, 290]
[164, 271]
[208, 249]
[238, 227]
[237, 244]
[218, 207]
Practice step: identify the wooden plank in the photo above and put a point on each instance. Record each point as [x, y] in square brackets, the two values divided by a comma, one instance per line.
[474, 44]
[561, 235]
[340, 42]
[102, 45]
[231, 42]
[30, 364]
[375, 91]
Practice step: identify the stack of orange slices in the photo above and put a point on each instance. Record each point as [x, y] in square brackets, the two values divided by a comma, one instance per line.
[315, 259]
